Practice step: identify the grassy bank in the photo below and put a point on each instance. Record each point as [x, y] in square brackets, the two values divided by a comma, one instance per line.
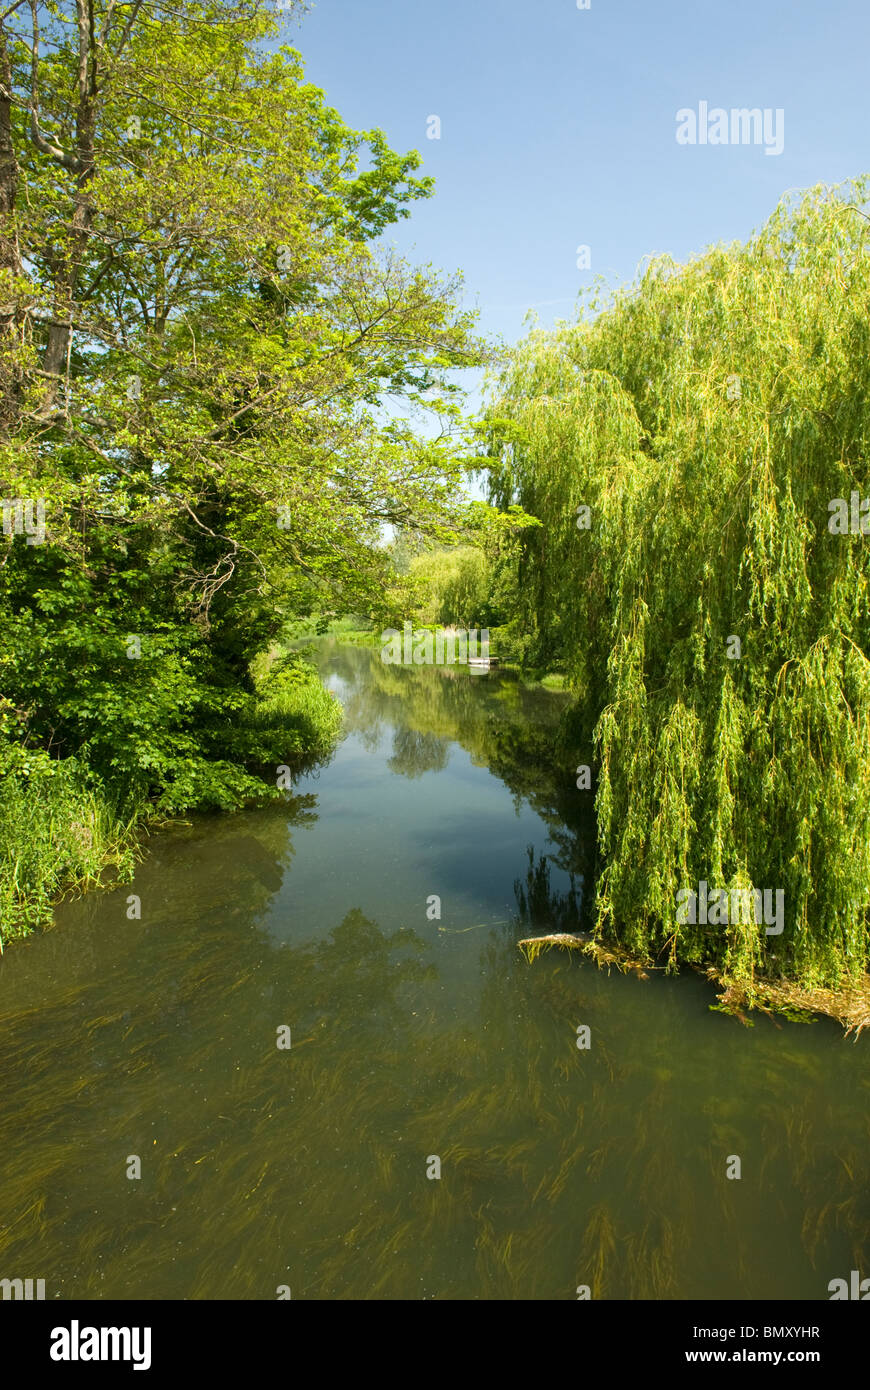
[294, 715]
[63, 830]
[58, 830]
[357, 637]
[351, 628]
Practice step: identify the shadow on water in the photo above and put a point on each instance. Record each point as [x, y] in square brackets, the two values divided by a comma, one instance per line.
[412, 1037]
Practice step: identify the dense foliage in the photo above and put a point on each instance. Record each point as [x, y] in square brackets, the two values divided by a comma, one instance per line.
[466, 585]
[198, 335]
[708, 418]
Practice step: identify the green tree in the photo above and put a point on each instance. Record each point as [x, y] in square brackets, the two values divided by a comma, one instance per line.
[207, 336]
[706, 419]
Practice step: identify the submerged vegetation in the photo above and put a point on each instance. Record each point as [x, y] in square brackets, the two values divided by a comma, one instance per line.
[562, 1167]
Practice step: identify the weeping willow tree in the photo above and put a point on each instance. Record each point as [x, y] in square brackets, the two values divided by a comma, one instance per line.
[684, 447]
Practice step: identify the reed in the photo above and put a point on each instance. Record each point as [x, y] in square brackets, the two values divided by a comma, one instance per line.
[57, 835]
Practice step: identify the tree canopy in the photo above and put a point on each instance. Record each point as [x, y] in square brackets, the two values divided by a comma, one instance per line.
[201, 340]
[685, 450]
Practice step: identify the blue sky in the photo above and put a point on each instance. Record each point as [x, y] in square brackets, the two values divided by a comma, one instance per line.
[558, 126]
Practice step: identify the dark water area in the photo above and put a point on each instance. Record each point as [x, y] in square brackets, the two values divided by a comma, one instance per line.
[414, 1038]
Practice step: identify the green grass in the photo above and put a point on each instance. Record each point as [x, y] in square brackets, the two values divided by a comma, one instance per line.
[298, 717]
[351, 623]
[356, 637]
[56, 835]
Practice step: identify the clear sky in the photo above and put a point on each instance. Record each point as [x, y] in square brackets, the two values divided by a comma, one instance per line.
[558, 126]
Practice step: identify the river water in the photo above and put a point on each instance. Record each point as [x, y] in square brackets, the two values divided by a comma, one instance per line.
[418, 1042]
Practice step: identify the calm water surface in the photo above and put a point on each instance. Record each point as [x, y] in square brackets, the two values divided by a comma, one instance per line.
[413, 1037]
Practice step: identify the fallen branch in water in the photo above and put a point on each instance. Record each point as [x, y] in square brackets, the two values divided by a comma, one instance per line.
[561, 938]
[533, 946]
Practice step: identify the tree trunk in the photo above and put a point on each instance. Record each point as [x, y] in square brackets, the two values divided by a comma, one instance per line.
[10, 258]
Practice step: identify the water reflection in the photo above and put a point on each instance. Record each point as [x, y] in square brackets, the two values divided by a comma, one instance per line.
[410, 1038]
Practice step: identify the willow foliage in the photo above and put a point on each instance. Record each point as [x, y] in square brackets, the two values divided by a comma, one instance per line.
[708, 417]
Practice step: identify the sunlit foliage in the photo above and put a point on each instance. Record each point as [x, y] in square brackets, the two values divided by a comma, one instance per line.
[708, 417]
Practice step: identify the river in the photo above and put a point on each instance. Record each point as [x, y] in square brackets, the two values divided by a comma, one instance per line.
[419, 1043]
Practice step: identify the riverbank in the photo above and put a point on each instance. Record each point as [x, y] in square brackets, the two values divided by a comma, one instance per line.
[371, 637]
[64, 831]
[849, 1006]
[60, 832]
